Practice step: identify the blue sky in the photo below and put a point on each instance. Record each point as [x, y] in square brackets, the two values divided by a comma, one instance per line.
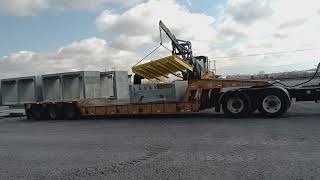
[42, 36]
[49, 30]
[46, 32]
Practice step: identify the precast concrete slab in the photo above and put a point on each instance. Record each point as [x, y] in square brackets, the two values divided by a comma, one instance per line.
[144, 93]
[18, 91]
[115, 85]
[28, 89]
[9, 91]
[121, 85]
[91, 84]
[71, 86]
[106, 84]
[51, 87]
[180, 88]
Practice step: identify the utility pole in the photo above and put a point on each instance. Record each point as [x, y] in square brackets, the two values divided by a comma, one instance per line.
[214, 67]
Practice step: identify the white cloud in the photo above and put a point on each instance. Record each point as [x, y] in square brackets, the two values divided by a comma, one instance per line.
[22, 7]
[87, 54]
[248, 11]
[32, 7]
[277, 28]
[244, 27]
[90, 4]
[139, 27]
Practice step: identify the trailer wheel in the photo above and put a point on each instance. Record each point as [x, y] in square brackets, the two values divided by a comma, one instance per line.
[53, 112]
[273, 103]
[236, 104]
[70, 111]
[37, 112]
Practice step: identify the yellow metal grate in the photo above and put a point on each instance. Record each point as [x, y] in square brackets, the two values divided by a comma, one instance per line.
[162, 67]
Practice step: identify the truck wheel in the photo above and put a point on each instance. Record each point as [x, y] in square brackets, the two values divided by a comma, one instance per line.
[273, 103]
[236, 105]
[70, 111]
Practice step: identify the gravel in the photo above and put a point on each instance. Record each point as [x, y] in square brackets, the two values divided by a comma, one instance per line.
[198, 146]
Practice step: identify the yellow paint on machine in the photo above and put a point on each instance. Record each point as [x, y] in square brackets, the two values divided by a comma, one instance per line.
[162, 67]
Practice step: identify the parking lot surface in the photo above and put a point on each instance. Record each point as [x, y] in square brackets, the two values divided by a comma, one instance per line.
[197, 146]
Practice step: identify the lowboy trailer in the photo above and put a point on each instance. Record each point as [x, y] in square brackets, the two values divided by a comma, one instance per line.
[236, 98]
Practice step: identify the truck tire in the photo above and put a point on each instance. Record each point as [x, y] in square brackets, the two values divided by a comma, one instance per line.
[273, 103]
[70, 111]
[236, 104]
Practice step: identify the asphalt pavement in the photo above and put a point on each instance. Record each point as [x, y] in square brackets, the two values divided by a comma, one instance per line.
[197, 146]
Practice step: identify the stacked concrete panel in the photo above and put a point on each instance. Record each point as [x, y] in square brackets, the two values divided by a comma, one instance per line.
[71, 86]
[17, 91]
[158, 92]
[51, 87]
[121, 85]
[106, 83]
[115, 85]
[9, 91]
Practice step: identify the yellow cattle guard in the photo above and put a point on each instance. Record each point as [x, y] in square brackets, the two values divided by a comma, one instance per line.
[162, 67]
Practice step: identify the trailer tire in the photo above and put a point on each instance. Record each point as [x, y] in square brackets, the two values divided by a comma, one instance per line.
[236, 105]
[54, 113]
[273, 103]
[37, 112]
[70, 111]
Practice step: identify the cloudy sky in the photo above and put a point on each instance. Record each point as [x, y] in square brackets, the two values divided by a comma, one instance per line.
[45, 36]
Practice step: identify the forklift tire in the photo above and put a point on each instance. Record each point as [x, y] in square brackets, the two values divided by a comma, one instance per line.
[236, 105]
[273, 103]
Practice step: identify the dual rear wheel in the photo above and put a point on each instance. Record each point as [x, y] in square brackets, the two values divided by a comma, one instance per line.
[271, 102]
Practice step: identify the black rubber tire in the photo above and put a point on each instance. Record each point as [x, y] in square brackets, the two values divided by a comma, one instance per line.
[37, 112]
[70, 111]
[246, 111]
[54, 112]
[285, 102]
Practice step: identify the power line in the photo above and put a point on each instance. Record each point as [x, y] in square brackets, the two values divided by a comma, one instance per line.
[268, 53]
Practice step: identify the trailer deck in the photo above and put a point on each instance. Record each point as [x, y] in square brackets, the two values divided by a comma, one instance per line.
[237, 98]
